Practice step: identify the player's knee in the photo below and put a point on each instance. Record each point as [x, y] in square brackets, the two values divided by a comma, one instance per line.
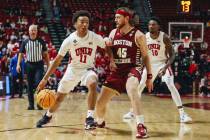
[92, 85]
[92, 82]
[132, 84]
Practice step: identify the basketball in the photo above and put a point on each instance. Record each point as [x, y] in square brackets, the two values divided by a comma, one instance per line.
[46, 98]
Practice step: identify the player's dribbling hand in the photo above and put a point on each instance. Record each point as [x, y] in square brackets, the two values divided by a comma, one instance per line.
[112, 66]
[149, 85]
[108, 42]
[41, 85]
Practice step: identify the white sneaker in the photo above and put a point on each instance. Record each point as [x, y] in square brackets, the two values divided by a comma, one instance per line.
[129, 115]
[185, 118]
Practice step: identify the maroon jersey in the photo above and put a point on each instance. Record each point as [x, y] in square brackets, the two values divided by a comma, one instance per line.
[125, 51]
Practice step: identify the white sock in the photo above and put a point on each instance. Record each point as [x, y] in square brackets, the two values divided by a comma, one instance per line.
[100, 120]
[90, 113]
[49, 114]
[181, 111]
[139, 119]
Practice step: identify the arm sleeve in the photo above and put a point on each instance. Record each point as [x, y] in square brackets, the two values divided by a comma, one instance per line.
[65, 46]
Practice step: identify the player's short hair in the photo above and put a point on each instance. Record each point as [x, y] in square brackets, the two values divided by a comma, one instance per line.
[80, 13]
[130, 12]
[155, 19]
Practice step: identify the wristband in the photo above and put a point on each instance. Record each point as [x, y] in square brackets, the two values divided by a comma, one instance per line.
[149, 76]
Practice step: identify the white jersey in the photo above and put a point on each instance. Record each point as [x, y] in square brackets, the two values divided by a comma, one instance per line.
[156, 48]
[82, 50]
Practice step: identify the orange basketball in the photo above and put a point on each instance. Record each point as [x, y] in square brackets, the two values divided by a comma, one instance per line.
[46, 98]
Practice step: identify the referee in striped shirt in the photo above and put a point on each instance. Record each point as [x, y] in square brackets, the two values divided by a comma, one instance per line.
[36, 53]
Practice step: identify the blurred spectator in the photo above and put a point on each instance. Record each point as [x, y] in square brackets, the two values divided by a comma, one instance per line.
[136, 19]
[17, 78]
[3, 48]
[7, 24]
[204, 45]
[204, 91]
[13, 36]
[25, 36]
[4, 65]
[44, 29]
[10, 47]
[13, 25]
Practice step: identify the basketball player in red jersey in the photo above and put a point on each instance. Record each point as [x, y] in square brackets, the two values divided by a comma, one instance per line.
[161, 54]
[129, 46]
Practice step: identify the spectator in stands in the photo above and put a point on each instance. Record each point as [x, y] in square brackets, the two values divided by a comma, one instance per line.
[136, 19]
[69, 30]
[13, 36]
[25, 36]
[56, 11]
[4, 65]
[204, 45]
[22, 20]
[10, 47]
[3, 48]
[44, 29]
[7, 24]
[13, 25]
[204, 91]
[17, 78]
[203, 64]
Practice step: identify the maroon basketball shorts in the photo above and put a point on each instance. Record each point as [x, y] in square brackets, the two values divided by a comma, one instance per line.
[117, 80]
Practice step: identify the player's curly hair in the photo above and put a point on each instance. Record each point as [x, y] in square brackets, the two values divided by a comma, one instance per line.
[80, 13]
[155, 19]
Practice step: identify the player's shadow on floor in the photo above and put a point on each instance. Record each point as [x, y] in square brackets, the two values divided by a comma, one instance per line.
[160, 134]
[200, 122]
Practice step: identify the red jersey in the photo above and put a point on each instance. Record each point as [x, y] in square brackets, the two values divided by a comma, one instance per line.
[125, 51]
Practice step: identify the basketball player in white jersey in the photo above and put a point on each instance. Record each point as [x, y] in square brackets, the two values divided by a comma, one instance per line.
[81, 45]
[162, 56]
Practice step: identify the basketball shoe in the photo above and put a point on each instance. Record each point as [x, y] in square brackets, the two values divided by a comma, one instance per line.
[129, 115]
[90, 123]
[185, 118]
[102, 125]
[141, 131]
[44, 120]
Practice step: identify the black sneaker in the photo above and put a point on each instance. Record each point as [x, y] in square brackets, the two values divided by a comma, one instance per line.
[44, 120]
[39, 107]
[30, 108]
[89, 123]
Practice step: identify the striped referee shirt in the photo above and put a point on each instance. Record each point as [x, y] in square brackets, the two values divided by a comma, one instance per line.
[33, 49]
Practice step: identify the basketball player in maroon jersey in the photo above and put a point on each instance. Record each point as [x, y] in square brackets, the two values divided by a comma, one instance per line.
[161, 54]
[129, 46]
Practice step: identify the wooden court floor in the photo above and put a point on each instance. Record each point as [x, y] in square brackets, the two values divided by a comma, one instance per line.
[161, 119]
